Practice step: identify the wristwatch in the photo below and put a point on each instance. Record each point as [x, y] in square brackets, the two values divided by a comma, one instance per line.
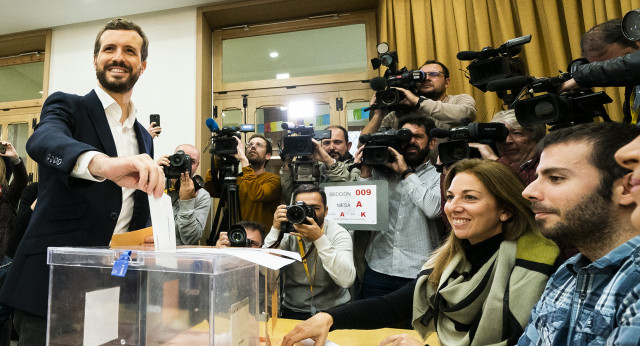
[406, 172]
[420, 99]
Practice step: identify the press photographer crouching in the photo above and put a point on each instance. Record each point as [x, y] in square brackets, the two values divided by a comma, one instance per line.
[258, 191]
[335, 163]
[322, 280]
[243, 234]
[191, 203]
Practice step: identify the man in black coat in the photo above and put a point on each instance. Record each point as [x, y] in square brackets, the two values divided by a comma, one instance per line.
[95, 172]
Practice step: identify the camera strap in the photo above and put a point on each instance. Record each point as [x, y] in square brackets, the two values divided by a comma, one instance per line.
[306, 269]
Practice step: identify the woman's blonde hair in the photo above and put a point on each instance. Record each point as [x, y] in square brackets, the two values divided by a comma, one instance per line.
[506, 187]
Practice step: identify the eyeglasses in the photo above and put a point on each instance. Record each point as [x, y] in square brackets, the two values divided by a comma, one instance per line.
[256, 144]
[433, 74]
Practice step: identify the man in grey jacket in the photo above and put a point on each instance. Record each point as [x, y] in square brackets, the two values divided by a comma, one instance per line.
[191, 204]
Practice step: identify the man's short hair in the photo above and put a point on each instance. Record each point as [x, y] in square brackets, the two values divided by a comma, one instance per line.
[445, 70]
[598, 38]
[310, 188]
[254, 225]
[344, 131]
[418, 120]
[123, 24]
[606, 138]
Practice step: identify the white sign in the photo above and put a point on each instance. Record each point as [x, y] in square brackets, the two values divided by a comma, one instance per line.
[352, 204]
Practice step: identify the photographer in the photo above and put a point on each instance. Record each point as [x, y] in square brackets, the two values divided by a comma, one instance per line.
[190, 203]
[431, 101]
[394, 254]
[259, 191]
[322, 280]
[518, 149]
[255, 235]
[614, 62]
[333, 154]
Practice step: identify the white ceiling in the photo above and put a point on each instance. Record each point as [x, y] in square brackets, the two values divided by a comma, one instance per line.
[26, 15]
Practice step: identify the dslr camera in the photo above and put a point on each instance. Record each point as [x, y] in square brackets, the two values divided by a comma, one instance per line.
[223, 141]
[178, 163]
[297, 214]
[457, 148]
[238, 236]
[376, 152]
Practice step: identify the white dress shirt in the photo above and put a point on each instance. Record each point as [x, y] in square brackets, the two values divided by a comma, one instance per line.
[126, 142]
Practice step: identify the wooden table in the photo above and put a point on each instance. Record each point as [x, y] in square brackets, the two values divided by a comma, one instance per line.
[349, 337]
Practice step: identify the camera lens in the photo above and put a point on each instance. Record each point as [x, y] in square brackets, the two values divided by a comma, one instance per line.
[389, 97]
[296, 214]
[176, 160]
[237, 236]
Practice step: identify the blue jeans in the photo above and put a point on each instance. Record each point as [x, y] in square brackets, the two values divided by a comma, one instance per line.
[376, 284]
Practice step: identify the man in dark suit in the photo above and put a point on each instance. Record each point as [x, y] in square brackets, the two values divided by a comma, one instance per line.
[94, 169]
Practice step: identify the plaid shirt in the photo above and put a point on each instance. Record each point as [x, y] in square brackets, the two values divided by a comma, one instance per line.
[590, 303]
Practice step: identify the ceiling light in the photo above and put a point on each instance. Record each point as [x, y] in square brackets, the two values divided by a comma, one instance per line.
[273, 54]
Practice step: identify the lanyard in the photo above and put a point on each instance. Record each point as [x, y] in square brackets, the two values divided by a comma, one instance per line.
[305, 264]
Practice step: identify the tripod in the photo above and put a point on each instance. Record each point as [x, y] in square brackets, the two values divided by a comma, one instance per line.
[229, 205]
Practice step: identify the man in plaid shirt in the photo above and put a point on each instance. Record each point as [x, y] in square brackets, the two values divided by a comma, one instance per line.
[582, 197]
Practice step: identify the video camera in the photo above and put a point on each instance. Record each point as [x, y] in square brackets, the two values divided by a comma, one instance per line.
[552, 108]
[376, 150]
[297, 214]
[491, 64]
[386, 94]
[222, 141]
[458, 148]
[304, 169]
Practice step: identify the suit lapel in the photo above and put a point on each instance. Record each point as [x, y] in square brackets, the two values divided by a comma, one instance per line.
[145, 142]
[99, 118]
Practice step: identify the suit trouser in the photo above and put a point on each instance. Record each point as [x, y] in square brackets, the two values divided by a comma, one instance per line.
[32, 329]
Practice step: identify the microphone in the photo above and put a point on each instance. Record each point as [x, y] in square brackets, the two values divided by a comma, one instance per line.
[378, 83]
[509, 83]
[439, 133]
[467, 55]
[212, 125]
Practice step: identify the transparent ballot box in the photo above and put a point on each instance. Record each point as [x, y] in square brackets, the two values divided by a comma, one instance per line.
[164, 298]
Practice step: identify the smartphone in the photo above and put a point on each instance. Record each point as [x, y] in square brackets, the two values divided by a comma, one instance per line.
[3, 148]
[154, 118]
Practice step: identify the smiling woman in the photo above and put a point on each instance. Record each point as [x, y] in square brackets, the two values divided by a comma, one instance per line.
[479, 287]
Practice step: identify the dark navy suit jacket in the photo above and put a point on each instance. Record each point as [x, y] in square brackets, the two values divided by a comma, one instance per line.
[69, 211]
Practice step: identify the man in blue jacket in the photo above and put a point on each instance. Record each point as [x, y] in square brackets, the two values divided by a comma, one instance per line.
[95, 172]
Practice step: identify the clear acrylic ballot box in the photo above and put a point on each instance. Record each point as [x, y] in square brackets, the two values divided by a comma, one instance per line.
[164, 298]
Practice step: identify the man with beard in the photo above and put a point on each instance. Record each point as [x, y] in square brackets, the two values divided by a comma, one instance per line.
[323, 278]
[95, 170]
[395, 254]
[432, 101]
[259, 191]
[583, 197]
[335, 161]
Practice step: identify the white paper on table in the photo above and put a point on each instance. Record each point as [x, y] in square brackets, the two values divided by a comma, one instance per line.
[311, 342]
[258, 256]
[101, 316]
[164, 231]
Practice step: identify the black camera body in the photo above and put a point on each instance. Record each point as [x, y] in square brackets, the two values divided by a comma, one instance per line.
[178, 163]
[405, 79]
[301, 145]
[223, 141]
[376, 150]
[297, 214]
[238, 236]
[457, 148]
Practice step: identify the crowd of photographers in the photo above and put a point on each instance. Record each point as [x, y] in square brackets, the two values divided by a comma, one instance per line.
[403, 144]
